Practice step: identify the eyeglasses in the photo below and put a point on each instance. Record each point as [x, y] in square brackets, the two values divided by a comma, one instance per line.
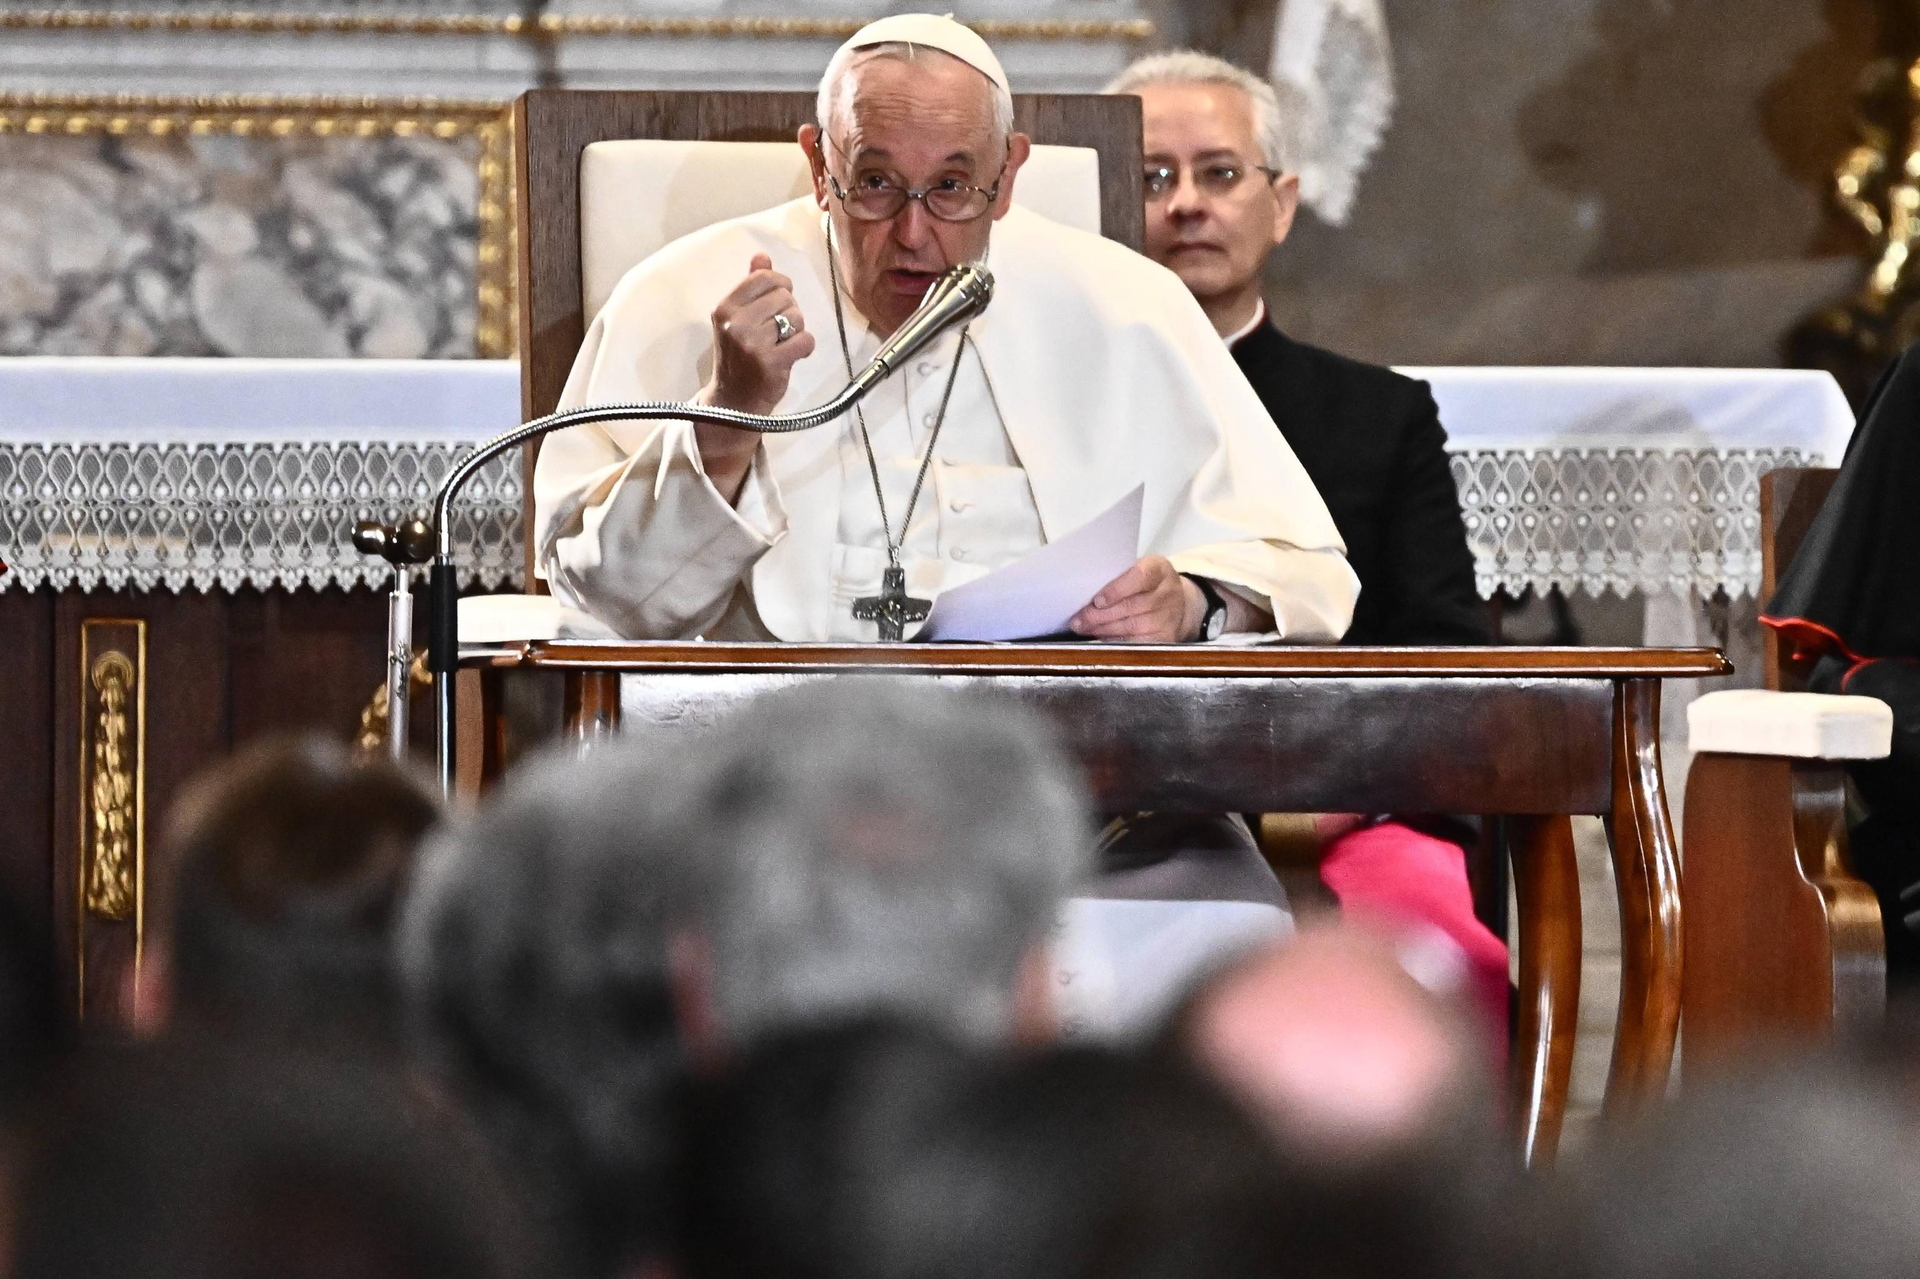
[1219, 178]
[875, 198]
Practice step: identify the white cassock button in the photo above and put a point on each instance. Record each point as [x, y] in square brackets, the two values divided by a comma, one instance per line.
[926, 419]
[958, 505]
[926, 368]
[959, 552]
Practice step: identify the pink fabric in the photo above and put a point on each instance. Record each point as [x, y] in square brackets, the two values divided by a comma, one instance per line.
[1394, 873]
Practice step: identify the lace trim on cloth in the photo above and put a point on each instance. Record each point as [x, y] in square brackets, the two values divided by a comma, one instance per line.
[1336, 57]
[224, 516]
[1599, 520]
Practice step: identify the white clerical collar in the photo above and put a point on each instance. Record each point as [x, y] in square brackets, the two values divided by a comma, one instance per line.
[1246, 330]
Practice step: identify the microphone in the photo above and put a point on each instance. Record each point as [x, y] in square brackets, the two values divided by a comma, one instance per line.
[956, 297]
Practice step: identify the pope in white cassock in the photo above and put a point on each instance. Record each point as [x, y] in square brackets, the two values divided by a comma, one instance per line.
[1092, 371]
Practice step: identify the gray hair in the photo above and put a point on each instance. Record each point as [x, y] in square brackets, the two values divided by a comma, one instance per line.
[838, 70]
[1274, 129]
[885, 847]
[532, 955]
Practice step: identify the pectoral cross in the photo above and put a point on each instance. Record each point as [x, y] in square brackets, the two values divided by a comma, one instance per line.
[892, 608]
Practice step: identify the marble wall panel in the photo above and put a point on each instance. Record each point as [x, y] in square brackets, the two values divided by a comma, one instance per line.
[244, 246]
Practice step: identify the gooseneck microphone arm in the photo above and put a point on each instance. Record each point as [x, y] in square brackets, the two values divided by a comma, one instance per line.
[955, 298]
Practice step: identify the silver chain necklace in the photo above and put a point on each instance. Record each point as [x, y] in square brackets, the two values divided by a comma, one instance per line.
[892, 608]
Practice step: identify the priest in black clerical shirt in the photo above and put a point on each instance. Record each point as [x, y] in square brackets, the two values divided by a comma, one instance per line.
[1220, 196]
[1371, 441]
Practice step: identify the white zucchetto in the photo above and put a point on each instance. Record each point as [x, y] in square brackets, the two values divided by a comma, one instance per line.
[931, 31]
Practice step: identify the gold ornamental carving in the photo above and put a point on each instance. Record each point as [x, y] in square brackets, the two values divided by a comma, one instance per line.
[371, 737]
[1877, 186]
[545, 25]
[112, 792]
[272, 116]
[110, 871]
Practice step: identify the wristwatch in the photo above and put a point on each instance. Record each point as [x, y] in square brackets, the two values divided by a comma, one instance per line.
[1213, 622]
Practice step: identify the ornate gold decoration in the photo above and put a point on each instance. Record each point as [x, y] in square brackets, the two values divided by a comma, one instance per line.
[1877, 185]
[110, 866]
[109, 871]
[1137, 30]
[371, 739]
[252, 115]
[111, 790]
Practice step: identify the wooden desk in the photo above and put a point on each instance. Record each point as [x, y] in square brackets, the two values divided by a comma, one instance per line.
[1532, 734]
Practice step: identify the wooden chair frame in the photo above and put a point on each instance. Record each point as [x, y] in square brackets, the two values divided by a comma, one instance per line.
[1784, 943]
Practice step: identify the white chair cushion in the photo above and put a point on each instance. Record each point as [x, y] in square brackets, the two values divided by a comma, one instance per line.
[640, 195]
[1757, 721]
[505, 619]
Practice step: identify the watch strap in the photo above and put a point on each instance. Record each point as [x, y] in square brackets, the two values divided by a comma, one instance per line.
[1216, 607]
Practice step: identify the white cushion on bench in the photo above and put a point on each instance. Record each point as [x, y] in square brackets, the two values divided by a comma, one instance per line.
[1757, 721]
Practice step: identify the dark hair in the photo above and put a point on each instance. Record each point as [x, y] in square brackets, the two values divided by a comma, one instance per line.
[283, 875]
[534, 957]
[229, 1161]
[778, 1149]
[881, 1153]
[1803, 1172]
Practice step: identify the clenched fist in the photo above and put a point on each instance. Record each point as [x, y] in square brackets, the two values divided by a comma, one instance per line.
[759, 334]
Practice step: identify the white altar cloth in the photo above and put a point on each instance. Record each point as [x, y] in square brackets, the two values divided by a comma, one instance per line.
[1642, 409]
[108, 400]
[217, 473]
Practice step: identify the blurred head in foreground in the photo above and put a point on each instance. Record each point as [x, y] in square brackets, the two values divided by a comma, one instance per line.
[281, 877]
[1805, 1174]
[1336, 1046]
[883, 847]
[224, 1162]
[869, 1153]
[534, 954]
[1369, 1086]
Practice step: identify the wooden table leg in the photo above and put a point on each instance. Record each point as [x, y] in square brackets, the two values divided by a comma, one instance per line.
[1546, 885]
[592, 706]
[1646, 872]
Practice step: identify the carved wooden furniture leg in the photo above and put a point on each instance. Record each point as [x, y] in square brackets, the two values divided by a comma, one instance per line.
[1646, 871]
[592, 706]
[1546, 882]
[1783, 943]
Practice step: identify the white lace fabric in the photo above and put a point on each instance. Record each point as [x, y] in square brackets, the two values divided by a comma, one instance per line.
[227, 516]
[1336, 58]
[1680, 522]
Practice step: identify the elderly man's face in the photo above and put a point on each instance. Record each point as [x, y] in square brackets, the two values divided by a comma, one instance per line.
[917, 125]
[1220, 213]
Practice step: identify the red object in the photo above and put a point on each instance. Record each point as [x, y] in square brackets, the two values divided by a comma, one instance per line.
[1399, 875]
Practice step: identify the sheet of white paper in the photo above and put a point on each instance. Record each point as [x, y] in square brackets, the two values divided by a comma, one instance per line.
[1039, 593]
